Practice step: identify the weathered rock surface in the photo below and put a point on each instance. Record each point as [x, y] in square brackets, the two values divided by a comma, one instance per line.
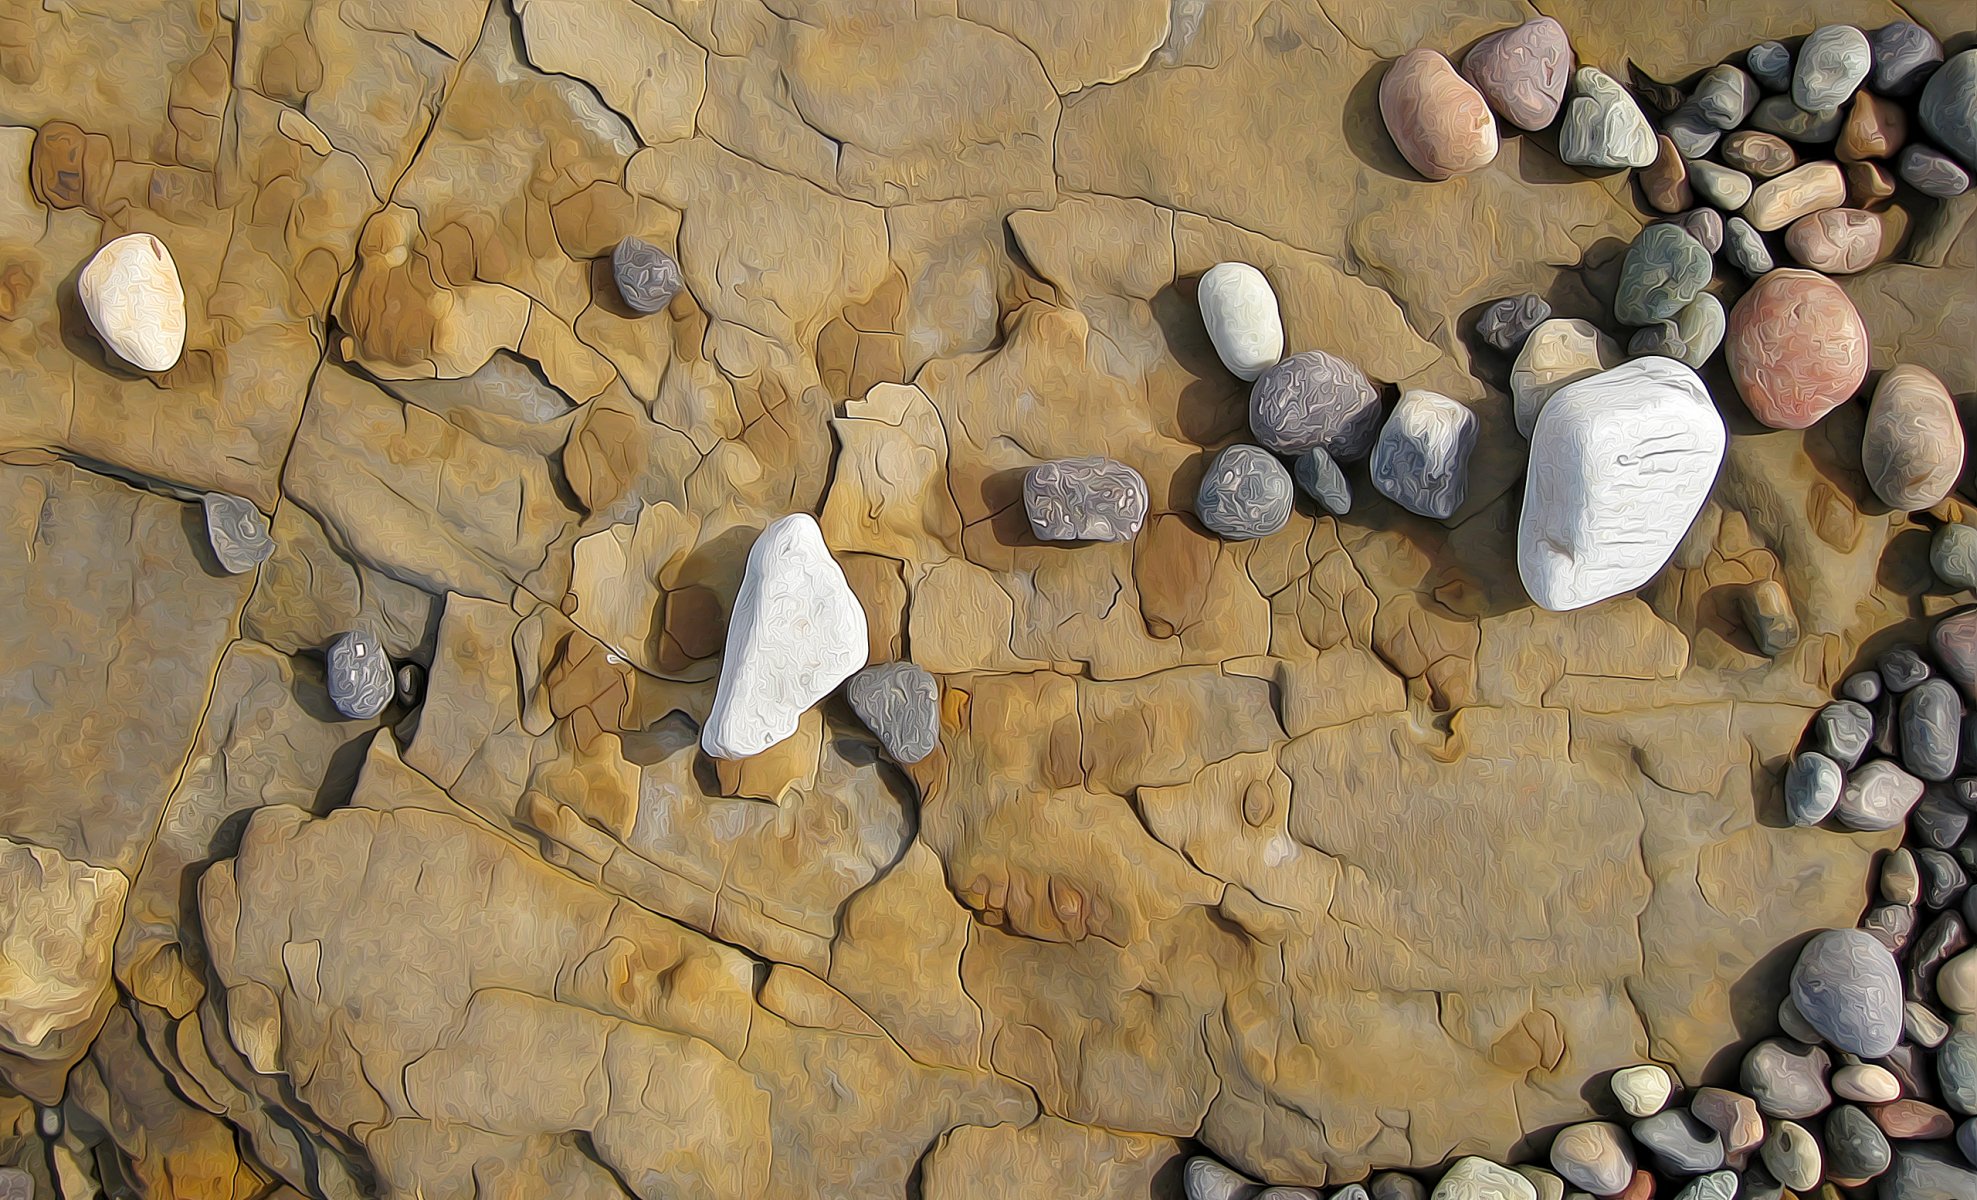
[1913, 446]
[1421, 460]
[1795, 347]
[1523, 72]
[60, 920]
[1313, 398]
[1092, 498]
[1439, 120]
[131, 291]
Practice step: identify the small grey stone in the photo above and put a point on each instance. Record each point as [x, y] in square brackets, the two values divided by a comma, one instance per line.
[1931, 730]
[1692, 133]
[1351, 1191]
[359, 675]
[1205, 1179]
[1421, 461]
[1966, 1140]
[1681, 1144]
[1904, 56]
[1393, 1185]
[647, 276]
[1901, 668]
[1956, 1067]
[1661, 338]
[1701, 324]
[1322, 480]
[900, 702]
[1832, 62]
[1953, 555]
[1593, 1155]
[16, 1184]
[1725, 187]
[1943, 878]
[1603, 128]
[1246, 493]
[1863, 687]
[1744, 246]
[1717, 1185]
[1724, 96]
[1890, 924]
[1900, 884]
[1770, 64]
[1928, 1171]
[1855, 1146]
[1777, 114]
[1877, 796]
[1847, 987]
[409, 684]
[1315, 399]
[1812, 788]
[1954, 641]
[1842, 730]
[1944, 939]
[237, 531]
[1089, 499]
[1787, 1078]
[1706, 226]
[1921, 1025]
[1505, 324]
[1949, 107]
[1931, 172]
[1664, 269]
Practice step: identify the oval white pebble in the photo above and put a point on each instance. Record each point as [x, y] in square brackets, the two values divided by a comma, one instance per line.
[131, 291]
[1866, 1083]
[1643, 1091]
[1240, 312]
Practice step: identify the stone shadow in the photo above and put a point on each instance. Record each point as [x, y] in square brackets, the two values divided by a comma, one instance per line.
[1366, 131]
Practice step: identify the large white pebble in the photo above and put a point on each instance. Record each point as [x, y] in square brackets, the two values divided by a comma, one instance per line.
[797, 632]
[1621, 462]
[130, 290]
[1240, 312]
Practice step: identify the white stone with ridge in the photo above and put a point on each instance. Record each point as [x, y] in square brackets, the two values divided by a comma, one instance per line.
[1621, 463]
[796, 633]
[1240, 312]
[130, 290]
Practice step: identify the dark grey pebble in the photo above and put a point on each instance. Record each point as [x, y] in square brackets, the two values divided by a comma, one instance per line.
[1902, 668]
[409, 684]
[1931, 172]
[1393, 1185]
[1954, 642]
[1088, 499]
[1928, 1171]
[359, 675]
[1681, 1144]
[1862, 687]
[1770, 64]
[1744, 246]
[900, 702]
[1953, 555]
[1706, 226]
[1939, 821]
[1691, 132]
[237, 531]
[1717, 1185]
[1724, 96]
[1893, 925]
[1421, 460]
[1660, 338]
[1931, 730]
[1956, 1068]
[1506, 323]
[1966, 1139]
[1842, 730]
[1245, 493]
[1943, 878]
[1847, 987]
[1663, 269]
[1812, 787]
[1905, 55]
[1948, 107]
[1321, 479]
[1855, 1147]
[1910, 1067]
[647, 276]
[1941, 940]
[1315, 399]
[1787, 1078]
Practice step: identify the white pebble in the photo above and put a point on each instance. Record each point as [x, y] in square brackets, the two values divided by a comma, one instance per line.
[1240, 312]
[131, 291]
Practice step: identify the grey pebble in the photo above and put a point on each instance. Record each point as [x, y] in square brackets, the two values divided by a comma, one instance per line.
[1206, 1179]
[237, 531]
[1706, 226]
[1877, 796]
[1899, 882]
[900, 702]
[409, 684]
[1812, 788]
[1966, 1140]
[1948, 107]
[1320, 478]
[1890, 924]
[1922, 1026]
[1662, 338]
[1863, 687]
[1953, 555]
[1787, 1078]
[1506, 323]
[1847, 987]
[1904, 56]
[1931, 730]
[1832, 62]
[1928, 1171]
[1393, 1185]
[1770, 64]
[1956, 1068]
[1841, 730]
[1421, 460]
[1717, 1185]
[16, 1184]
[1088, 499]
[1724, 96]
[359, 675]
[1744, 246]
[1664, 269]
[1315, 399]
[1692, 133]
[1246, 493]
[647, 276]
[1902, 667]
[1725, 187]
[1777, 114]
[1931, 172]
[1943, 878]
[1939, 821]
[1681, 1144]
[1855, 1146]
[1603, 128]
[1701, 324]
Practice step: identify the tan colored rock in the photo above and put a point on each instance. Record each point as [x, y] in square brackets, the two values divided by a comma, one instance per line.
[1558, 352]
[1778, 202]
[60, 918]
[1438, 119]
[1869, 185]
[1876, 127]
[1665, 182]
[1838, 241]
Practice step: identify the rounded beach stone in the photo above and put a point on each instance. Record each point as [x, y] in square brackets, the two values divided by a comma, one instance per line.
[130, 290]
[1321, 479]
[1953, 555]
[900, 702]
[409, 684]
[1778, 202]
[1943, 878]
[1761, 154]
[1725, 187]
[1421, 460]
[1701, 324]
[1315, 399]
[1681, 1144]
[1933, 173]
[1939, 821]
[1659, 338]
[1732, 1115]
[1441, 123]
[1912, 1119]
[1092, 499]
[1745, 248]
[1724, 96]
[1796, 348]
[1621, 463]
[1866, 1083]
[1855, 1149]
[1717, 1185]
[358, 674]
[1604, 129]
[237, 531]
[1875, 128]
[1877, 796]
[647, 276]
[1558, 352]
[1861, 686]
[1787, 1078]
[1966, 1140]
[1901, 668]
[1793, 1024]
[1770, 64]
[1706, 226]
[1847, 987]
[1393, 1185]
[1240, 312]
[1842, 730]
[1899, 882]
[1475, 1178]
[1949, 107]
[1956, 983]
[1777, 114]
[1931, 730]
[1832, 62]
[1812, 788]
[1792, 1156]
[1691, 132]
[1904, 55]
[1664, 269]
[1956, 1067]
[1206, 1179]
[1838, 241]
[1522, 72]
[1510, 320]
[1546, 1183]
[1246, 493]
[1954, 641]
[1594, 1156]
[1665, 181]
[1642, 1090]
[1869, 184]
[1912, 449]
[1891, 924]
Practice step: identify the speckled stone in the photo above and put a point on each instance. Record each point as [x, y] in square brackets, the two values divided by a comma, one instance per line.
[1246, 493]
[1832, 62]
[1770, 64]
[1206, 1179]
[1796, 348]
[1706, 226]
[1878, 796]
[1933, 173]
[1838, 241]
[647, 276]
[237, 532]
[1953, 555]
[1725, 187]
[1315, 399]
[1505, 324]
[1901, 668]
[358, 674]
[1522, 72]
[1593, 1155]
[1320, 478]
[1093, 499]
[1664, 269]
[1931, 730]
[1846, 986]
[1841, 731]
[1745, 248]
[1855, 1149]
[1776, 203]
[1777, 114]
[1905, 54]
[1949, 107]
[1812, 787]
[1701, 324]
[1603, 128]
[1912, 448]
[1681, 1144]
[1691, 132]
[1758, 153]
[1665, 181]
[1440, 122]
[899, 702]
[1421, 460]
[1724, 96]
[1875, 128]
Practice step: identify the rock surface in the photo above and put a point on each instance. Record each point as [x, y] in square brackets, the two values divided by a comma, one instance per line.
[1523, 71]
[60, 925]
[1642, 1090]
[1904, 56]
[1320, 478]
[1439, 120]
[1421, 460]
[1594, 1156]
[1913, 446]
[1761, 154]
[1933, 173]
[1878, 796]
[900, 702]
[1092, 498]
[1745, 248]
[1315, 399]
[1240, 310]
[1505, 324]
[1795, 347]
[131, 291]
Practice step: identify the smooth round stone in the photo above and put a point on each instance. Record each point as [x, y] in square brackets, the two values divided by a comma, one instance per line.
[1953, 555]
[1891, 924]
[1904, 55]
[647, 276]
[1724, 96]
[1838, 241]
[1681, 1144]
[1901, 668]
[1706, 226]
[1522, 72]
[1956, 983]
[1776, 203]
[1949, 107]
[1725, 187]
[1812, 788]
[1792, 1023]
[1922, 1026]
[237, 531]
[1665, 181]
[1796, 348]
[1966, 1140]
[1475, 1178]
[1505, 324]
[1621, 462]
[1660, 338]
[1604, 129]
[1855, 1148]
[1421, 460]
[1717, 1185]
[1664, 269]
[1869, 184]
[1832, 62]
[1315, 399]
[1547, 1184]
[1954, 642]
[1931, 730]
[1863, 687]
[1792, 1156]
[1877, 796]
[1240, 313]
[1745, 248]
[130, 290]
[1393, 1185]
[1320, 478]
[1558, 352]
[1909, 1120]
[1090, 499]
[1691, 132]
[1874, 128]
[1956, 1067]
[409, 684]
[1701, 324]
[1732, 1115]
[1770, 64]
[1245, 494]
[1865, 1083]
[1757, 153]
[900, 702]
[1842, 731]
[1439, 120]
[1943, 879]
[1933, 173]
[1594, 1156]
[358, 673]
[1642, 1091]
[1206, 1179]
[1847, 987]
[1912, 448]
[1777, 114]
[1786, 1078]
[1899, 882]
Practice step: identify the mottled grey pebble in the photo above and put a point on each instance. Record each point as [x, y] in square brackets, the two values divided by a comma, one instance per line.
[1691, 132]
[1548, 1185]
[1855, 1146]
[1928, 1171]
[1701, 324]
[1593, 1155]
[1777, 114]
[1662, 338]
[1949, 107]
[1847, 987]
[1953, 555]
[1939, 821]
[1603, 128]
[1812, 788]
[900, 702]
[1664, 269]
[1943, 877]
[647, 276]
[238, 532]
[1931, 172]
[1744, 246]
[1725, 187]
[1943, 939]
[1931, 730]
[1088, 499]
[1717, 1185]
[1421, 461]
[1901, 668]
[1350, 1191]
[1681, 1144]
[1393, 1185]
[1966, 1139]
[1315, 399]
[409, 684]
[1724, 96]
[1792, 1023]
[1921, 1025]
[1956, 1067]
[1246, 493]
[1206, 1179]
[1770, 64]
[1862, 687]
[1832, 62]
[1842, 730]
[1706, 226]
[359, 675]
[1904, 56]
[1505, 324]
[1877, 796]
[1787, 1078]
[1954, 641]
[1891, 924]
[1322, 480]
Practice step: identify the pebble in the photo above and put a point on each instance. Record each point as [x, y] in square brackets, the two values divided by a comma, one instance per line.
[1745, 248]
[1901, 668]
[1090, 499]
[1792, 1023]
[1874, 128]
[1855, 1149]
[1878, 796]
[1928, 1172]
[1866, 1083]
[1956, 983]
[1732, 1115]
[1921, 1025]
[1953, 555]
[1931, 732]
[1724, 96]
[1522, 72]
[1547, 1184]
[1904, 55]
[1393, 1185]
[1838, 241]
[1240, 313]
[1661, 338]
[1949, 107]
[1770, 64]
[1706, 226]
[1594, 1156]
[1321, 479]
[1642, 1090]
[1869, 185]
[1966, 1140]
[1943, 879]
[1933, 173]
[1439, 120]
[1863, 687]
[1956, 1067]
[1475, 1178]
[1681, 1144]
[1776, 203]
[1725, 187]
[1911, 1120]
[1777, 114]
[1954, 642]
[358, 673]
[1812, 788]
[1899, 882]
[409, 684]
[1350, 1191]
[1315, 399]
[1717, 1185]
[1510, 320]
[1792, 1156]
[1786, 1078]
[647, 276]
[1847, 987]
[1246, 493]
[1206, 1179]
[900, 702]
[1912, 449]
[1604, 129]
[1761, 154]
[1558, 352]
[1621, 462]
[1421, 461]
[1664, 269]
[1701, 324]
[1832, 62]
[1665, 181]
[1796, 348]
[1691, 132]
[237, 531]
[1841, 730]
[130, 290]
